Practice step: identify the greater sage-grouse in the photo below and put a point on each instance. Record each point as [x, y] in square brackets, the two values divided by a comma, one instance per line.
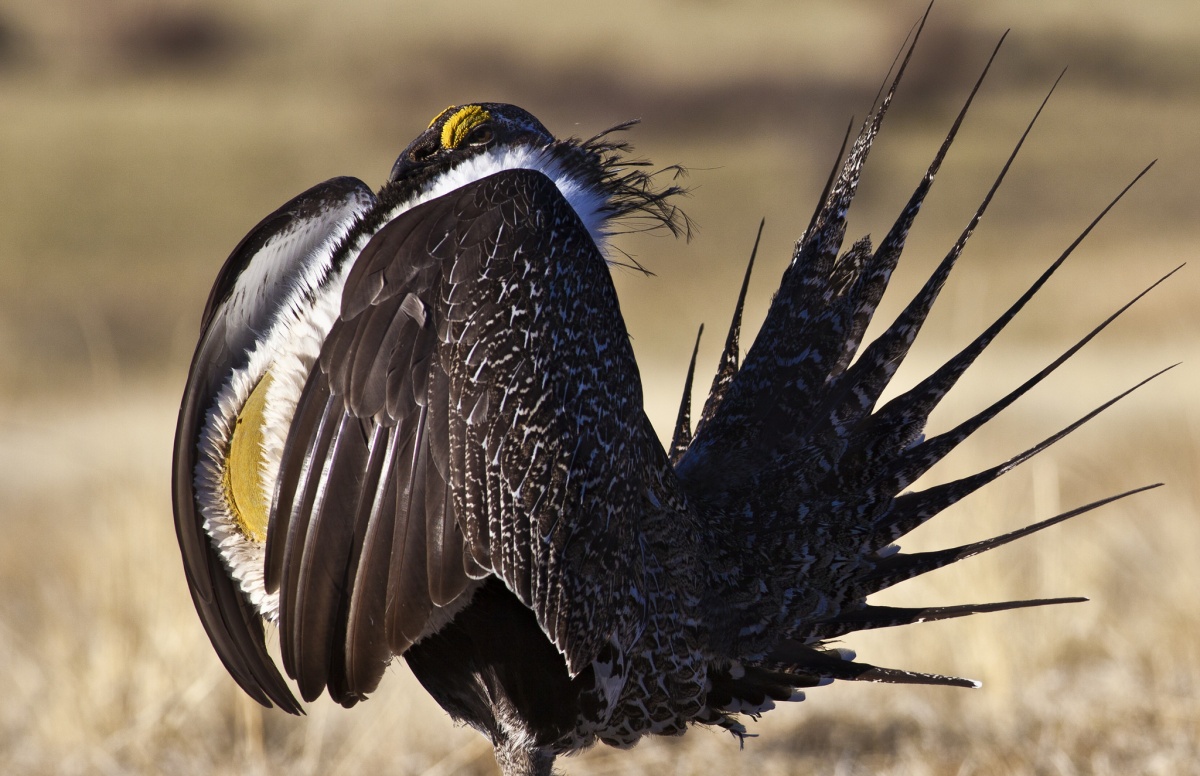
[414, 426]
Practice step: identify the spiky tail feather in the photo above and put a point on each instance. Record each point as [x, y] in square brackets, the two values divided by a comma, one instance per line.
[790, 446]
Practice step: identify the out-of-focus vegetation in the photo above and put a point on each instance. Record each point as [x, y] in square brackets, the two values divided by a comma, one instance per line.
[139, 141]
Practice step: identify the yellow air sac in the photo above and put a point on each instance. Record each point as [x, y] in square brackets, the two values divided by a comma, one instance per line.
[243, 469]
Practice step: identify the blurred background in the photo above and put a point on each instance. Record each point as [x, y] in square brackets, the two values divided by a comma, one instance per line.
[140, 140]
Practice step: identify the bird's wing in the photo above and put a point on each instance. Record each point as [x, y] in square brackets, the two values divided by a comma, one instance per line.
[250, 288]
[471, 413]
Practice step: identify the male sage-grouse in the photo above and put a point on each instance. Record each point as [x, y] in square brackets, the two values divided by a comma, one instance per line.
[414, 427]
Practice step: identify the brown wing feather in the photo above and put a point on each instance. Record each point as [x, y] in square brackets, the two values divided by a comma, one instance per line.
[440, 352]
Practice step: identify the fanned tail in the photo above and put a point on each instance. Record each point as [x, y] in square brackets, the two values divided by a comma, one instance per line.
[812, 331]
[795, 459]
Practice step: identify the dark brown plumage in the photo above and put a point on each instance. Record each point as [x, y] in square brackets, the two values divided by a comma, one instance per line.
[459, 469]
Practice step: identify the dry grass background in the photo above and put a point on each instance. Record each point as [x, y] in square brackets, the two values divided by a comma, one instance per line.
[139, 141]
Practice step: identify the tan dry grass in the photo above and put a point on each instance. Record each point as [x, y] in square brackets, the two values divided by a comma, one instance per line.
[110, 671]
[126, 175]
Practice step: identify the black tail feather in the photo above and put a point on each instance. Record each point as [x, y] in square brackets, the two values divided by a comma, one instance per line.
[794, 658]
[903, 419]
[727, 369]
[861, 296]
[912, 509]
[683, 422]
[869, 617]
[789, 331]
[829, 182]
[921, 457]
[874, 371]
[871, 283]
[806, 278]
[901, 566]
[899, 676]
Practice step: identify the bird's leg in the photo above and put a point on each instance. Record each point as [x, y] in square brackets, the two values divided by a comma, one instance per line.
[515, 760]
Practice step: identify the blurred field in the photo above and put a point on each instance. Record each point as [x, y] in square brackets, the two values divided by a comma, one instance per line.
[140, 141]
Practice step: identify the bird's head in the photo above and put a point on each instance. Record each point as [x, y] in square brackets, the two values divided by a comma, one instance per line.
[493, 136]
[461, 132]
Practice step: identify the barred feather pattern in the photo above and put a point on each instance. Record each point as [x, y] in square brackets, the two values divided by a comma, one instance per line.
[513, 376]
[471, 444]
[489, 365]
[802, 476]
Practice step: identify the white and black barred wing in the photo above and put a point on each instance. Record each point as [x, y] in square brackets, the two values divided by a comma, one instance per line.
[467, 417]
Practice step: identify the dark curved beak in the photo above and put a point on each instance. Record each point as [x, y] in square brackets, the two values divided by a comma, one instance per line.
[416, 154]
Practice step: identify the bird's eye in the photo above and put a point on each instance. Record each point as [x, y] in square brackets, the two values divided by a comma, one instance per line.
[421, 153]
[480, 135]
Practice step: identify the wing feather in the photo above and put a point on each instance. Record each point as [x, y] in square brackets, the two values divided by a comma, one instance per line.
[408, 600]
[499, 430]
[366, 644]
[251, 288]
